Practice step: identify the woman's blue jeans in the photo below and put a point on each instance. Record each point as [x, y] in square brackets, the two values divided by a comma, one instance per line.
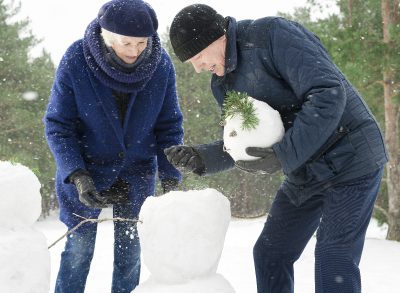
[341, 214]
[79, 249]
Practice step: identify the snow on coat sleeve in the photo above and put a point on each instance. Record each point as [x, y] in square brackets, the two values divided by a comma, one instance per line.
[60, 126]
[168, 128]
[304, 64]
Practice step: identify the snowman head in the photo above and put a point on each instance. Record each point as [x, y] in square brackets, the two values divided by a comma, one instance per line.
[249, 123]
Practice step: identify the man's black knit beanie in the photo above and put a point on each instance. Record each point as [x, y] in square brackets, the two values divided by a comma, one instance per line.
[194, 28]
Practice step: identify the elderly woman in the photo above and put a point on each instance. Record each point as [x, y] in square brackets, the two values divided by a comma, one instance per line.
[113, 110]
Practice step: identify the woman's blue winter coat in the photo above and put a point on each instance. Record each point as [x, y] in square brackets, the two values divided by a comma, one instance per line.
[84, 131]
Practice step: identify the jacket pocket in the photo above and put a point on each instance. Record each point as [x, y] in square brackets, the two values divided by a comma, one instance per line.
[330, 143]
[333, 160]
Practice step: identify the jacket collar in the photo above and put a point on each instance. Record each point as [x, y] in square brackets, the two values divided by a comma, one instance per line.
[231, 49]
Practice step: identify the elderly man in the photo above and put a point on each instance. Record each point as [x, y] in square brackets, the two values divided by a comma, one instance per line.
[332, 153]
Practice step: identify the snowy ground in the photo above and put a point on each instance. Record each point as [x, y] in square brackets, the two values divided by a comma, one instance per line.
[380, 267]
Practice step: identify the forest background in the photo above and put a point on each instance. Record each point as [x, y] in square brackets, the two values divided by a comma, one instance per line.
[362, 38]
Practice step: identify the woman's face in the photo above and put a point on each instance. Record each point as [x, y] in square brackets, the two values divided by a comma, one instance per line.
[128, 49]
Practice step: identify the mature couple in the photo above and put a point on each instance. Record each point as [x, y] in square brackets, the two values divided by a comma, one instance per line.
[113, 122]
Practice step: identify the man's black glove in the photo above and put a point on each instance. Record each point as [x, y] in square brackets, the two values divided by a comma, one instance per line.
[88, 194]
[267, 164]
[169, 185]
[185, 158]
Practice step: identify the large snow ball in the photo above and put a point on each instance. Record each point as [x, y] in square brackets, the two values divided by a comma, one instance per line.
[25, 261]
[182, 234]
[269, 131]
[19, 196]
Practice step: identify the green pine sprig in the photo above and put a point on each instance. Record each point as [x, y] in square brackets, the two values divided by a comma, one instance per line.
[237, 103]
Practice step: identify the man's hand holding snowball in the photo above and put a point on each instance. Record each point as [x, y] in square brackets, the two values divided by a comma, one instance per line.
[267, 163]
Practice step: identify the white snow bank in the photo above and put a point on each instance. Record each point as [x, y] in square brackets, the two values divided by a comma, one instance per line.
[24, 261]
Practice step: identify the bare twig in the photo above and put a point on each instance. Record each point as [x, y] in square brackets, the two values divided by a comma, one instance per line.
[86, 220]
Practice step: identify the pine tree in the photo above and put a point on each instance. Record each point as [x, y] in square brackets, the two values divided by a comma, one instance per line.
[24, 89]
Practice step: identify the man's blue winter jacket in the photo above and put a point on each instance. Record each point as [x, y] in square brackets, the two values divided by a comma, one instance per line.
[331, 135]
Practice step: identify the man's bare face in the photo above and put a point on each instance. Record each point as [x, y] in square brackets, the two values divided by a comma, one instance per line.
[212, 58]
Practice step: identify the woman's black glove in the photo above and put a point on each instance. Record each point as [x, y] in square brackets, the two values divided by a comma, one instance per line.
[267, 164]
[169, 185]
[88, 194]
[185, 158]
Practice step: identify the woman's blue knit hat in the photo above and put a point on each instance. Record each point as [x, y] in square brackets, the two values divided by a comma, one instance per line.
[133, 18]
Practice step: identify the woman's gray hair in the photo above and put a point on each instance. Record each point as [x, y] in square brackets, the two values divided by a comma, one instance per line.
[109, 37]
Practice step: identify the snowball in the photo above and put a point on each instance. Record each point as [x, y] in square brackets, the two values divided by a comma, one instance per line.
[24, 261]
[183, 233]
[269, 131]
[19, 196]
[215, 284]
